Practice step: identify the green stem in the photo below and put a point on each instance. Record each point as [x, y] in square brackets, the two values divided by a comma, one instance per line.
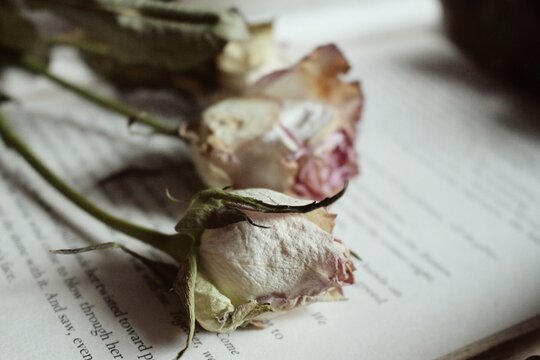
[82, 45]
[112, 105]
[149, 236]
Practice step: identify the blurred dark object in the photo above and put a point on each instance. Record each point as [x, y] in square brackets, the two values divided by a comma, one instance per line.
[18, 37]
[500, 35]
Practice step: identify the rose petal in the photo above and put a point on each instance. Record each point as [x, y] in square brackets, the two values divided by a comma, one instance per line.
[293, 259]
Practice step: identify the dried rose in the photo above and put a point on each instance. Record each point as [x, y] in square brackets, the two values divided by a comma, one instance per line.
[293, 131]
[245, 253]
[246, 270]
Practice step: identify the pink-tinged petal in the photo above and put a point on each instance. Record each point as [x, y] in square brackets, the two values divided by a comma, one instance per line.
[325, 172]
[301, 142]
[328, 158]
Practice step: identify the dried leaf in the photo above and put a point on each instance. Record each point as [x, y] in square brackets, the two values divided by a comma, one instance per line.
[184, 286]
[214, 208]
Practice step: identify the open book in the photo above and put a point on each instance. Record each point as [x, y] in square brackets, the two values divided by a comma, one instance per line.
[446, 216]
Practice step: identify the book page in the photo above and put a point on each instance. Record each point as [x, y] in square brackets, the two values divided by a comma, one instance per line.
[445, 217]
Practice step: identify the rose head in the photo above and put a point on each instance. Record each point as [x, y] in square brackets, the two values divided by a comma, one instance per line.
[257, 251]
[292, 131]
[245, 270]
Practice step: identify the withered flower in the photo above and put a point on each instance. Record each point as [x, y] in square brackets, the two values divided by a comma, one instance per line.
[285, 261]
[292, 131]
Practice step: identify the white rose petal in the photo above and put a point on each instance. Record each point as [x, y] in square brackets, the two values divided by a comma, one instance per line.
[292, 260]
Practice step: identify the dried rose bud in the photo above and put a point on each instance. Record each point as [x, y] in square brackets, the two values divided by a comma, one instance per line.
[292, 131]
[245, 270]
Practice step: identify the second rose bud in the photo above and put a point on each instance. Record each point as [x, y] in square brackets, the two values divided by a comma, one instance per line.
[292, 131]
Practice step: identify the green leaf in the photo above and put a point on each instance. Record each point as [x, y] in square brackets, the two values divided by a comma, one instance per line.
[164, 35]
[184, 286]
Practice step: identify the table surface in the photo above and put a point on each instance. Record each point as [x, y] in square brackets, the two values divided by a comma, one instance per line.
[521, 348]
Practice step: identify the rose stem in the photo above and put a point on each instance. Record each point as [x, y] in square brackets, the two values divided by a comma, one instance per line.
[110, 104]
[77, 43]
[149, 236]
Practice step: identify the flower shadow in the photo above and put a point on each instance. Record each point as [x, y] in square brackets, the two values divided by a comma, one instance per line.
[134, 172]
[169, 186]
[166, 104]
[104, 277]
[145, 307]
